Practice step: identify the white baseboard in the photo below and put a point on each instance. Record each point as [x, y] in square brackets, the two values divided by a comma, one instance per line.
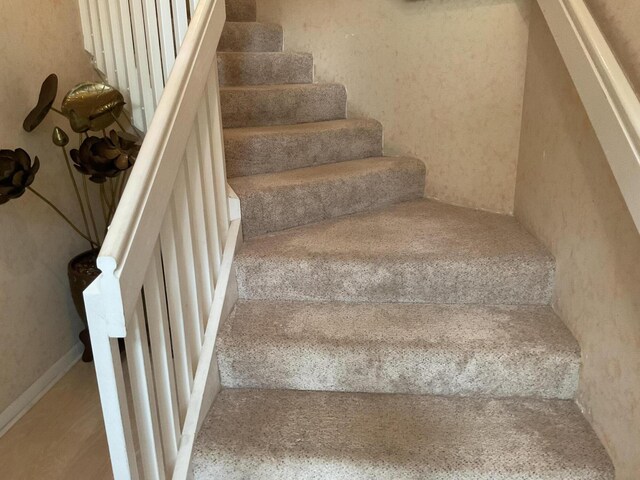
[35, 392]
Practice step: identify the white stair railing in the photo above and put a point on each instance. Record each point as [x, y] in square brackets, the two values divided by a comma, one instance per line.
[166, 270]
[606, 92]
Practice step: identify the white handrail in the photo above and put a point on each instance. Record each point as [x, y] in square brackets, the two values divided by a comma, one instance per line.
[166, 278]
[606, 92]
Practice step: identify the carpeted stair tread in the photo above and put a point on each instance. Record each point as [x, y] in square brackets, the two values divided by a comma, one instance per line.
[264, 68]
[262, 105]
[251, 37]
[241, 10]
[276, 434]
[415, 252]
[256, 150]
[276, 201]
[497, 351]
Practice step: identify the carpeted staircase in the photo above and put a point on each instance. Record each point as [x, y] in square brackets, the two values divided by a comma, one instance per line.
[378, 335]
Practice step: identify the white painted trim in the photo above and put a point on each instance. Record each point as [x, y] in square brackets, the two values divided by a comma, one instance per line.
[35, 392]
[235, 212]
[607, 95]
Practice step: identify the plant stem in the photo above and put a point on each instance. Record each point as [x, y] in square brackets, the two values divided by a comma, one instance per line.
[104, 202]
[112, 206]
[110, 203]
[135, 133]
[64, 217]
[75, 187]
[123, 184]
[93, 218]
[53, 109]
[119, 124]
[114, 184]
[129, 122]
[117, 192]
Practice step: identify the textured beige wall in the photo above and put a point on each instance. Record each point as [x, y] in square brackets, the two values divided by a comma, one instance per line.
[567, 195]
[620, 21]
[37, 319]
[445, 78]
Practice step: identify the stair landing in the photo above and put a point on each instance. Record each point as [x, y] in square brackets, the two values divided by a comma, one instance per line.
[413, 252]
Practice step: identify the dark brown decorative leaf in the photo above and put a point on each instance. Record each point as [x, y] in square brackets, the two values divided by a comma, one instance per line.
[48, 93]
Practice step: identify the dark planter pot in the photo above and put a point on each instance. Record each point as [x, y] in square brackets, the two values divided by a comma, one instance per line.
[82, 271]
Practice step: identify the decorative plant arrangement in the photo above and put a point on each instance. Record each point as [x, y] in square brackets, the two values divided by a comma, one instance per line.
[102, 162]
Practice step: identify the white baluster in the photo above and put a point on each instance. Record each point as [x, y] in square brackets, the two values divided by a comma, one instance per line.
[201, 257]
[163, 370]
[85, 20]
[97, 35]
[182, 355]
[193, 319]
[121, 80]
[205, 129]
[167, 42]
[153, 49]
[217, 153]
[133, 78]
[142, 60]
[107, 40]
[143, 394]
[180, 20]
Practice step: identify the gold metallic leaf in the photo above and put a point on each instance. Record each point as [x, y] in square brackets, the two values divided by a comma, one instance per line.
[59, 137]
[78, 124]
[107, 150]
[95, 105]
[122, 162]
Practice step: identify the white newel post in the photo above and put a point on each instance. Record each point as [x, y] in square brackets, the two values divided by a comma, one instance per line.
[111, 386]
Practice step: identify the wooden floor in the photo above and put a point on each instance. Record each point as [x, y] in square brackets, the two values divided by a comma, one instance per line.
[62, 436]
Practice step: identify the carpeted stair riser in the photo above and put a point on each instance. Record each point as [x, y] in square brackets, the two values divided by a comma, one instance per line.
[251, 106]
[251, 37]
[273, 434]
[399, 348]
[264, 68]
[241, 10]
[277, 201]
[252, 151]
[414, 252]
